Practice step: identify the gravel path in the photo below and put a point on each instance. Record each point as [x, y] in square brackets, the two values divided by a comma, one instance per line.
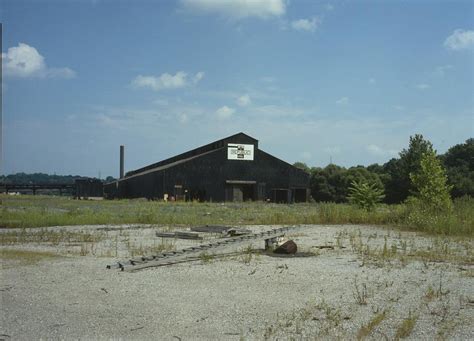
[352, 276]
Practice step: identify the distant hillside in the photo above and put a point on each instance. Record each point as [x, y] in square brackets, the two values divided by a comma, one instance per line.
[36, 178]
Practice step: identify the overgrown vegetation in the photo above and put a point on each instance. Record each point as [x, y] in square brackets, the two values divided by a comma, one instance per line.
[431, 185]
[42, 211]
[41, 178]
[24, 257]
[403, 251]
[331, 183]
[418, 173]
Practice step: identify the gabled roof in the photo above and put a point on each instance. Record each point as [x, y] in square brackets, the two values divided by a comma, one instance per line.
[236, 138]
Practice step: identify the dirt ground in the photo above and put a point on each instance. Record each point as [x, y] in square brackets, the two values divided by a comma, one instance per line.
[347, 282]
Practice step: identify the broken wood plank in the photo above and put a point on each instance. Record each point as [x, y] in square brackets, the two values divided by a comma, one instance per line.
[179, 235]
[211, 228]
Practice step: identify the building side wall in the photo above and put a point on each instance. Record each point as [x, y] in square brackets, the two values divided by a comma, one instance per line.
[206, 178]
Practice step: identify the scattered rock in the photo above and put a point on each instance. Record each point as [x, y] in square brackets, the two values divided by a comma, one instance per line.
[288, 247]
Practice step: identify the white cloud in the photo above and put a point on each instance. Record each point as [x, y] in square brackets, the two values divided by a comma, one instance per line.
[244, 100]
[342, 100]
[378, 151]
[372, 81]
[224, 112]
[198, 76]
[459, 40]
[422, 86]
[237, 9]
[63, 72]
[441, 70]
[309, 25]
[166, 81]
[329, 7]
[25, 61]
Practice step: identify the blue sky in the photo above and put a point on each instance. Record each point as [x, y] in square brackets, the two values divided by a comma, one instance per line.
[311, 80]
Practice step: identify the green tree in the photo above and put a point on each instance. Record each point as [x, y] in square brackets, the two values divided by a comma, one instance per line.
[38, 178]
[398, 185]
[459, 164]
[365, 195]
[362, 174]
[303, 166]
[331, 184]
[430, 181]
[328, 184]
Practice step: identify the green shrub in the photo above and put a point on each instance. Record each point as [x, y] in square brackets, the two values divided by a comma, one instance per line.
[365, 195]
[431, 183]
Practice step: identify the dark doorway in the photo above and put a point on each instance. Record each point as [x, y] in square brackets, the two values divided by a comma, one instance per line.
[237, 193]
[238, 190]
[299, 194]
[243, 193]
[248, 192]
[280, 196]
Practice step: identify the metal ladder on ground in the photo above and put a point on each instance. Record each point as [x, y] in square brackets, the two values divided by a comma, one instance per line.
[193, 253]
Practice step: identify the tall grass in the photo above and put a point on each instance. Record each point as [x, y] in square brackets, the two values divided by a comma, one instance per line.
[42, 211]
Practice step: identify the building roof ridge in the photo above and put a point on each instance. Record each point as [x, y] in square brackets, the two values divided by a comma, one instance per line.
[190, 153]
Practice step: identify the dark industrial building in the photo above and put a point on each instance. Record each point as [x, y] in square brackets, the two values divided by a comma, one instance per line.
[230, 169]
[88, 188]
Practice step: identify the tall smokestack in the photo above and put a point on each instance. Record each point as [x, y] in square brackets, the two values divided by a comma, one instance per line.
[122, 153]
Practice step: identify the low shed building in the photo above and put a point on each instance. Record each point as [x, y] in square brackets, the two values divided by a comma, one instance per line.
[230, 169]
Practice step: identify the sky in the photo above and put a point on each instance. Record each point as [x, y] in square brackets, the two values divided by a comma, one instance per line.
[313, 81]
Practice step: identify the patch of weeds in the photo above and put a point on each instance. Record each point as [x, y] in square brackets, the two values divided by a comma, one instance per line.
[403, 245]
[430, 294]
[206, 258]
[467, 273]
[385, 251]
[440, 250]
[441, 310]
[23, 257]
[339, 238]
[146, 249]
[135, 250]
[360, 293]
[247, 255]
[326, 316]
[332, 317]
[84, 250]
[445, 328]
[439, 293]
[163, 246]
[45, 236]
[367, 329]
[406, 327]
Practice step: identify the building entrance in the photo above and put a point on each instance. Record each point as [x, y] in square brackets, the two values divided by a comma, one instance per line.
[239, 191]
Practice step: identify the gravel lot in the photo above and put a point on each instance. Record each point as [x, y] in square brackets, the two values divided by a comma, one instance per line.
[353, 281]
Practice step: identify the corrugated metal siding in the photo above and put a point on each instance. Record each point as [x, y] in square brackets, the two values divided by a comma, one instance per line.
[204, 176]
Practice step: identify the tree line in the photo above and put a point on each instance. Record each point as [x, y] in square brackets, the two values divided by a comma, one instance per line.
[333, 183]
[42, 178]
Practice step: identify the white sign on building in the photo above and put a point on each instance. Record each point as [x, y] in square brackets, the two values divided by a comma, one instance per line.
[240, 151]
